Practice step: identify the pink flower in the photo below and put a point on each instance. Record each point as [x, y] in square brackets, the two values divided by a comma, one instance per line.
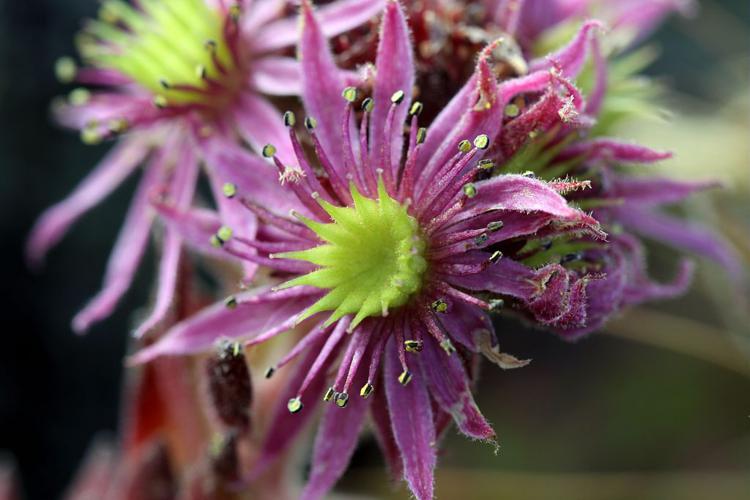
[179, 83]
[381, 260]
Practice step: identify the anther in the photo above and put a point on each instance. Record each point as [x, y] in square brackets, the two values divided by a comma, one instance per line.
[398, 97]
[482, 141]
[310, 123]
[269, 372]
[224, 233]
[496, 256]
[511, 110]
[368, 104]
[481, 240]
[529, 174]
[349, 94]
[341, 399]
[366, 390]
[495, 226]
[230, 302]
[234, 12]
[201, 72]
[210, 45]
[79, 96]
[421, 135]
[405, 377]
[65, 69]
[447, 346]
[330, 393]
[416, 108]
[571, 257]
[160, 101]
[90, 135]
[294, 405]
[229, 190]
[268, 151]
[486, 164]
[464, 146]
[289, 119]
[496, 305]
[164, 83]
[118, 125]
[413, 345]
[439, 305]
[470, 190]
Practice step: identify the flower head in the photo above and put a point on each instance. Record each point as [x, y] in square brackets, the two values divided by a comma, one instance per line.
[407, 252]
[177, 83]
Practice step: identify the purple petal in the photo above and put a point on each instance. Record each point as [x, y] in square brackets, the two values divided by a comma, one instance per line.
[449, 385]
[383, 431]
[682, 236]
[482, 115]
[183, 188]
[613, 151]
[322, 85]
[463, 322]
[522, 194]
[276, 76]
[195, 226]
[413, 427]
[260, 123]
[335, 18]
[336, 441]
[110, 172]
[649, 191]
[569, 59]
[286, 425]
[257, 311]
[129, 247]
[395, 71]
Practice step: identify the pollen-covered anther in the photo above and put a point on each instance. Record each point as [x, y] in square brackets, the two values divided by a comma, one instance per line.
[416, 108]
[464, 146]
[421, 135]
[341, 399]
[495, 226]
[329, 394]
[368, 104]
[439, 305]
[413, 345]
[221, 236]
[496, 256]
[65, 69]
[310, 123]
[268, 151]
[486, 164]
[366, 390]
[349, 94]
[481, 141]
[405, 377]
[294, 405]
[398, 97]
[229, 190]
[290, 119]
[470, 190]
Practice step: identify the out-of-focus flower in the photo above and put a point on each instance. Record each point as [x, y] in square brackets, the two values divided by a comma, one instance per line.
[381, 260]
[177, 83]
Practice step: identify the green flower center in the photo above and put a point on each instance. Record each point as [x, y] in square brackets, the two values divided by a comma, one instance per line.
[372, 259]
[170, 47]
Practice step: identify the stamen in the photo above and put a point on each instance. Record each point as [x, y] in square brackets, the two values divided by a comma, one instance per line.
[413, 345]
[440, 305]
[294, 405]
[229, 190]
[366, 390]
[328, 396]
[405, 377]
[230, 302]
[341, 399]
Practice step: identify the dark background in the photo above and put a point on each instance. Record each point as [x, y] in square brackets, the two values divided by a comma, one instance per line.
[600, 406]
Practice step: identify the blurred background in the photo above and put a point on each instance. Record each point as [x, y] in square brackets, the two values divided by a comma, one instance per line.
[658, 406]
